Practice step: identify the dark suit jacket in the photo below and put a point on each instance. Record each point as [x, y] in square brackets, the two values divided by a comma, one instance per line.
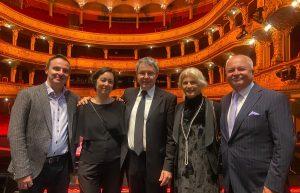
[30, 129]
[158, 129]
[260, 148]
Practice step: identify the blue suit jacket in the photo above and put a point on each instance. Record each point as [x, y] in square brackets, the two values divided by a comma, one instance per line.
[259, 151]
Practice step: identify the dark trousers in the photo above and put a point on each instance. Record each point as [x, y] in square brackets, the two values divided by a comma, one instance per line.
[106, 176]
[54, 176]
[137, 175]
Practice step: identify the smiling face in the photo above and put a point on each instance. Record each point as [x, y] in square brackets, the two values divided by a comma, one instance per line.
[146, 76]
[57, 72]
[105, 83]
[190, 87]
[239, 73]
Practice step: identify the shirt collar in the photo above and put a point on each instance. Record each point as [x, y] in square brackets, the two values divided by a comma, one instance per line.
[244, 92]
[150, 92]
[51, 92]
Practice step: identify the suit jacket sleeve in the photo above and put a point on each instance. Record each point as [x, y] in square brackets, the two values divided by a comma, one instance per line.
[170, 144]
[281, 126]
[17, 135]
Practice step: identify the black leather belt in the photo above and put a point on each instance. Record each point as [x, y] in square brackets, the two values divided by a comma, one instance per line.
[57, 159]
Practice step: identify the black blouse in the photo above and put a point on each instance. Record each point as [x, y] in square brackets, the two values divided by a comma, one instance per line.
[101, 139]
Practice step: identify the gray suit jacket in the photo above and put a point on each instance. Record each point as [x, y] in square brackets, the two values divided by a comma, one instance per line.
[30, 130]
[259, 151]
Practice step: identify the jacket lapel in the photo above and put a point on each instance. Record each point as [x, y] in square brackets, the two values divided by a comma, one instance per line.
[250, 101]
[177, 119]
[129, 106]
[71, 111]
[157, 98]
[45, 105]
[225, 108]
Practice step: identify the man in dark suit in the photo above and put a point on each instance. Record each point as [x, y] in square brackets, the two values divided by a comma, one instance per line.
[41, 134]
[149, 119]
[257, 133]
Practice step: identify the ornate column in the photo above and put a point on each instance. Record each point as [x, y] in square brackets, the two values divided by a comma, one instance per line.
[168, 81]
[32, 42]
[109, 16]
[221, 30]
[136, 54]
[259, 55]
[244, 11]
[210, 37]
[287, 43]
[168, 50]
[135, 83]
[31, 76]
[266, 54]
[15, 34]
[81, 15]
[69, 50]
[277, 38]
[21, 4]
[222, 74]
[182, 48]
[211, 75]
[231, 21]
[51, 44]
[164, 7]
[191, 10]
[105, 51]
[68, 82]
[196, 44]
[13, 72]
[51, 3]
[137, 11]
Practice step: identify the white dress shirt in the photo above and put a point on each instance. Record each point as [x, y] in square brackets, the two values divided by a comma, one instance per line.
[59, 117]
[148, 102]
[242, 98]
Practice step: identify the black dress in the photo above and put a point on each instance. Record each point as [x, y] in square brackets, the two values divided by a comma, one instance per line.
[197, 176]
[99, 164]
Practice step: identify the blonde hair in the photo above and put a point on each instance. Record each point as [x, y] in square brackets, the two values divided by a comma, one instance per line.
[194, 73]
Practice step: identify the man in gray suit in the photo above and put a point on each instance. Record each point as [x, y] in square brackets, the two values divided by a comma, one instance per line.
[41, 134]
[257, 133]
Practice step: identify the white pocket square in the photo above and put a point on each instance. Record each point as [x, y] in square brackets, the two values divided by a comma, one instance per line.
[253, 113]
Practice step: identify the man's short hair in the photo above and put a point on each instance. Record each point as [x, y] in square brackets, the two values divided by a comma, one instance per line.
[149, 61]
[247, 59]
[194, 73]
[57, 56]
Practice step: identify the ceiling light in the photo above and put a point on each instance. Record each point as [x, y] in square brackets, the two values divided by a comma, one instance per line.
[88, 45]
[43, 37]
[295, 3]
[9, 62]
[6, 99]
[151, 47]
[119, 72]
[251, 41]
[8, 25]
[91, 71]
[233, 12]
[267, 27]
[187, 40]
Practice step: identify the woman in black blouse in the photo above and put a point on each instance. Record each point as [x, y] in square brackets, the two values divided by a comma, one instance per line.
[100, 124]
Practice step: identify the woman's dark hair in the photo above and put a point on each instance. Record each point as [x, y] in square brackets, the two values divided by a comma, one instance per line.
[94, 77]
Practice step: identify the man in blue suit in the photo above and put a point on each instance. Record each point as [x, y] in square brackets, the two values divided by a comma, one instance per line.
[257, 133]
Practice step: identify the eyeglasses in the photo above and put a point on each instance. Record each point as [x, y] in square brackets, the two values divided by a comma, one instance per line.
[144, 74]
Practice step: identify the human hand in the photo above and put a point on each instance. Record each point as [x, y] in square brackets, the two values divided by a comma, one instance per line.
[83, 101]
[25, 183]
[165, 177]
[267, 190]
